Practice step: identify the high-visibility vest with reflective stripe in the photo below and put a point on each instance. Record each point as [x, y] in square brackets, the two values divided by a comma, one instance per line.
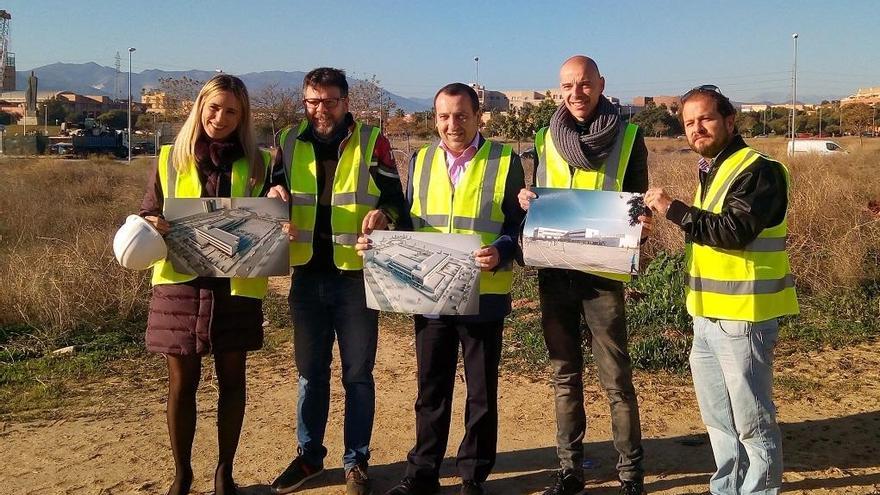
[554, 171]
[187, 185]
[354, 193]
[473, 208]
[749, 284]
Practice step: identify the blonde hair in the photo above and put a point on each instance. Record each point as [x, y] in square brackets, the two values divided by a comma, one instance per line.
[183, 155]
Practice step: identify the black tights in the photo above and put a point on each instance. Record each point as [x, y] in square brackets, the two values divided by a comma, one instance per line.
[184, 373]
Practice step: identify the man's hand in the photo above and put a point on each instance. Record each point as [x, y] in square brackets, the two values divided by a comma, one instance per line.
[487, 258]
[278, 192]
[374, 220]
[525, 198]
[362, 245]
[289, 229]
[159, 223]
[647, 224]
[657, 200]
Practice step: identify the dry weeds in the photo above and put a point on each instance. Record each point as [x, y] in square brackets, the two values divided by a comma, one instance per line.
[57, 219]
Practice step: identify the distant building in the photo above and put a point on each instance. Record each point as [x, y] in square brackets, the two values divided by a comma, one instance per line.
[672, 102]
[868, 96]
[519, 98]
[82, 105]
[754, 107]
[491, 100]
[155, 102]
[801, 107]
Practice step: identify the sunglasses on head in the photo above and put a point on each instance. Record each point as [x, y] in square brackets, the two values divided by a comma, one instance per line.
[705, 88]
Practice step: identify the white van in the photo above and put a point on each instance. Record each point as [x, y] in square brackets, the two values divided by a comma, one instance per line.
[817, 146]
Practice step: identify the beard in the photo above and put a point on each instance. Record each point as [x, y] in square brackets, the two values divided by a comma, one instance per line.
[710, 146]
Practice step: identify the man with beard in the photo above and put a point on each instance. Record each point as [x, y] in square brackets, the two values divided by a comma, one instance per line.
[586, 146]
[341, 181]
[738, 284]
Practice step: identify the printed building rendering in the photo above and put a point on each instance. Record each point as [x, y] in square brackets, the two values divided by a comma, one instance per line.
[582, 230]
[408, 275]
[223, 240]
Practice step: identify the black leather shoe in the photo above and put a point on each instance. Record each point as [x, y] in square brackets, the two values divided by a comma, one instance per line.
[633, 487]
[566, 484]
[471, 487]
[415, 486]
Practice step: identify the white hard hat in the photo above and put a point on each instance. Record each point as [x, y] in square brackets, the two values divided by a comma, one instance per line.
[138, 245]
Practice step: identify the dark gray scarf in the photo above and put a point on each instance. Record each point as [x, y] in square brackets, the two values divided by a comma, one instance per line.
[585, 146]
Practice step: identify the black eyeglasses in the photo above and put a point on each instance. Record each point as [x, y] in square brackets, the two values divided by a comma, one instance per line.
[328, 102]
[705, 88]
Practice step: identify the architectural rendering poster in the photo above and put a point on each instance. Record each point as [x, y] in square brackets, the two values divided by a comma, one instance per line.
[422, 273]
[583, 230]
[228, 237]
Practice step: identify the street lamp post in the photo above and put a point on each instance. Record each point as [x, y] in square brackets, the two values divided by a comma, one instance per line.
[794, 91]
[130, 50]
[477, 78]
[874, 120]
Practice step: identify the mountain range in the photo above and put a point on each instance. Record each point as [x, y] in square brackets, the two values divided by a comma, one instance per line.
[93, 79]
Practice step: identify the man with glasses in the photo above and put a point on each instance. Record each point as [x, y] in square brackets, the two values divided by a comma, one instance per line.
[341, 180]
[588, 146]
[738, 284]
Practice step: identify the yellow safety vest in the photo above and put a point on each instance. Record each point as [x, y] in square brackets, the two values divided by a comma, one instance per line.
[187, 185]
[354, 193]
[554, 171]
[749, 284]
[473, 208]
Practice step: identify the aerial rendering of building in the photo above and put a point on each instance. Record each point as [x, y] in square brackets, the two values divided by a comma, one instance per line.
[220, 240]
[405, 274]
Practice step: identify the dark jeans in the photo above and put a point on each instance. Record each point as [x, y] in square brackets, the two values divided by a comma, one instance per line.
[437, 344]
[324, 306]
[565, 296]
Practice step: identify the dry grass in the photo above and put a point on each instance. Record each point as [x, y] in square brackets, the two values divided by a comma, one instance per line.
[58, 276]
[57, 217]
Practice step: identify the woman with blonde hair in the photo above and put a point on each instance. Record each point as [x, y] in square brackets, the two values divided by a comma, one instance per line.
[214, 155]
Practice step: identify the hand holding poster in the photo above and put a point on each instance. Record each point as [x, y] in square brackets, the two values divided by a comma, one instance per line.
[583, 230]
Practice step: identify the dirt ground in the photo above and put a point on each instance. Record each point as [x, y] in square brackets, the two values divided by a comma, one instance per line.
[115, 443]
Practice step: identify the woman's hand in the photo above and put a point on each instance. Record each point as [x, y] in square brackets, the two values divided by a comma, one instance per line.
[159, 223]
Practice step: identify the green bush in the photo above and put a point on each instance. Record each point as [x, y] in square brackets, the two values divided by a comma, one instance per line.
[656, 298]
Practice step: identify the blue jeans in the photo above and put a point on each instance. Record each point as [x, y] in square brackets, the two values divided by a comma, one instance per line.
[732, 367]
[325, 306]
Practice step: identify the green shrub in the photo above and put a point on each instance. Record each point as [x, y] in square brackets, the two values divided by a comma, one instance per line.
[655, 299]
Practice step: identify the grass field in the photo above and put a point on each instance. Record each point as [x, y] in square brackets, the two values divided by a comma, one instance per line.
[60, 286]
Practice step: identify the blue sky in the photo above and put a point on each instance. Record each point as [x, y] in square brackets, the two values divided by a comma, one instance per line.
[414, 47]
[572, 209]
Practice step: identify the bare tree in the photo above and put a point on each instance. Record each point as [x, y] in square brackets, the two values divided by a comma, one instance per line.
[275, 108]
[369, 103]
[179, 95]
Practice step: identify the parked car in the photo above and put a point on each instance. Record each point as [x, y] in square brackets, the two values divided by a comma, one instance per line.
[817, 146]
[145, 148]
[60, 149]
